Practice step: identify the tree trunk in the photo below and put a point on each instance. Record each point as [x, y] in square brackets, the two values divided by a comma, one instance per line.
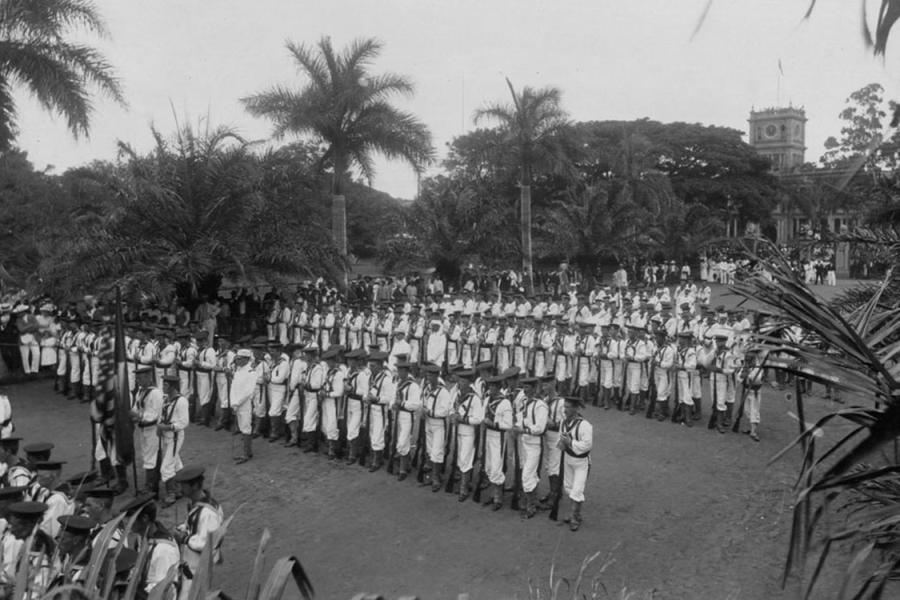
[339, 230]
[527, 268]
[339, 218]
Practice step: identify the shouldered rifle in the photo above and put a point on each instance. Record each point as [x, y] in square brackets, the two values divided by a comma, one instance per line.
[518, 476]
[713, 413]
[419, 451]
[554, 509]
[450, 454]
[651, 385]
[364, 432]
[478, 462]
[677, 410]
[392, 442]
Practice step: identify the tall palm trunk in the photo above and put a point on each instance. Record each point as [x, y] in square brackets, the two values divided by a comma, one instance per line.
[339, 219]
[525, 225]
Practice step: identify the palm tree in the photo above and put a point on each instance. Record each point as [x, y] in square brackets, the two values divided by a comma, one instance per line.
[349, 111]
[588, 223]
[533, 126]
[36, 50]
[198, 208]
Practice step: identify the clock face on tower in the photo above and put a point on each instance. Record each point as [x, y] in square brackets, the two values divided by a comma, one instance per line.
[771, 130]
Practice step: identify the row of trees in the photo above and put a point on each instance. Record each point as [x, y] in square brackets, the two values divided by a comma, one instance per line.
[203, 204]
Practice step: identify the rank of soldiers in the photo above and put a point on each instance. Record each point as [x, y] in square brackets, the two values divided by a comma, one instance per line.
[466, 393]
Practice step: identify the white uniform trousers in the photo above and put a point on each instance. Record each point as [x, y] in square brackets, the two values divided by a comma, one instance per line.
[271, 331]
[503, 362]
[354, 418]
[404, 432]
[661, 381]
[696, 385]
[493, 456]
[277, 393]
[467, 356]
[606, 373]
[222, 389]
[74, 366]
[718, 389]
[48, 351]
[186, 382]
[171, 455]
[561, 367]
[435, 432]
[618, 373]
[452, 353]
[519, 355]
[584, 371]
[684, 394]
[149, 446]
[283, 334]
[530, 457]
[259, 401]
[729, 389]
[551, 453]
[575, 472]
[292, 414]
[465, 447]
[62, 363]
[102, 452]
[204, 387]
[751, 406]
[633, 373]
[244, 416]
[130, 366]
[377, 424]
[540, 363]
[31, 353]
[330, 418]
[311, 411]
[414, 350]
[485, 354]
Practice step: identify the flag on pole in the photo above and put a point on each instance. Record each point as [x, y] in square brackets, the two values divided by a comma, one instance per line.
[124, 425]
[780, 68]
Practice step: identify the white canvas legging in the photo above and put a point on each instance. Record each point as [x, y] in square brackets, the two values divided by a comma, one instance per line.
[31, 353]
[575, 472]
[493, 457]
[435, 432]
[751, 407]
[531, 457]
[465, 444]
[171, 455]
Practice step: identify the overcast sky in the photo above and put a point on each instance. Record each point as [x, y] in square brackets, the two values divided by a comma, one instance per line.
[612, 59]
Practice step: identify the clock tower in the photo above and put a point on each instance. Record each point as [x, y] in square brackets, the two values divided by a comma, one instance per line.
[779, 134]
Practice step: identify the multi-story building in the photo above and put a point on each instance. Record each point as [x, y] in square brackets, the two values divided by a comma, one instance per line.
[809, 204]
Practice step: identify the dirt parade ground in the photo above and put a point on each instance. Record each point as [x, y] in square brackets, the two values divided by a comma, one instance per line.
[689, 513]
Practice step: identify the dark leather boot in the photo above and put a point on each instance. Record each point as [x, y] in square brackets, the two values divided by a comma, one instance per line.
[403, 468]
[277, 431]
[464, 490]
[352, 451]
[294, 434]
[575, 520]
[377, 461]
[121, 479]
[436, 480]
[224, 419]
[151, 482]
